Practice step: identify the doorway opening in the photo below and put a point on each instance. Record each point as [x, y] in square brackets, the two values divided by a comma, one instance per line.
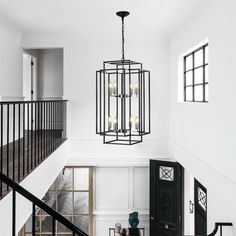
[200, 203]
[43, 73]
[30, 72]
[195, 206]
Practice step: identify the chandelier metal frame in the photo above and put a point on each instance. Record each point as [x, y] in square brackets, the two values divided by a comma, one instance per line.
[123, 110]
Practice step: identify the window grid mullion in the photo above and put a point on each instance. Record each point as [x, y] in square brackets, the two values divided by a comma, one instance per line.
[204, 68]
[195, 68]
[193, 98]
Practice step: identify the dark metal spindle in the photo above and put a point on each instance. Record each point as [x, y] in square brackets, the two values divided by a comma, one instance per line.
[31, 136]
[49, 126]
[13, 156]
[28, 138]
[54, 125]
[1, 148]
[53, 226]
[13, 212]
[41, 130]
[33, 219]
[44, 133]
[19, 164]
[35, 134]
[38, 135]
[23, 167]
[7, 143]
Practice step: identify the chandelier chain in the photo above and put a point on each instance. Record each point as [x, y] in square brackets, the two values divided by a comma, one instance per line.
[123, 40]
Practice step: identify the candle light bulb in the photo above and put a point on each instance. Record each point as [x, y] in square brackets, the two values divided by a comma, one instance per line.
[131, 121]
[110, 88]
[131, 89]
[109, 122]
[115, 125]
[114, 88]
[136, 89]
[137, 123]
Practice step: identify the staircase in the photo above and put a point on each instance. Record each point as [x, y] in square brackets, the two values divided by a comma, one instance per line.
[30, 131]
[37, 203]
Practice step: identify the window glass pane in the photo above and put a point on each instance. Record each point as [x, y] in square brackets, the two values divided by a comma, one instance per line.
[65, 179]
[81, 203]
[81, 178]
[198, 76]
[206, 54]
[206, 93]
[50, 199]
[46, 224]
[189, 62]
[202, 198]
[198, 93]
[28, 225]
[61, 228]
[206, 74]
[81, 222]
[53, 186]
[189, 78]
[166, 173]
[198, 58]
[189, 93]
[65, 203]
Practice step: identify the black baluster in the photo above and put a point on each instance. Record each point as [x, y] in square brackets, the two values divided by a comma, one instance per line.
[45, 140]
[33, 219]
[48, 125]
[38, 138]
[13, 161]
[31, 136]
[13, 212]
[7, 143]
[23, 167]
[19, 164]
[51, 110]
[41, 130]
[35, 130]
[1, 146]
[53, 124]
[28, 122]
[56, 124]
[53, 226]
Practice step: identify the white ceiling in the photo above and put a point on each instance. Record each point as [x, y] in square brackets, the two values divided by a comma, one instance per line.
[71, 15]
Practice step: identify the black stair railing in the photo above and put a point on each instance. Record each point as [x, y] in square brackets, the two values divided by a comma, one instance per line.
[29, 132]
[220, 225]
[16, 188]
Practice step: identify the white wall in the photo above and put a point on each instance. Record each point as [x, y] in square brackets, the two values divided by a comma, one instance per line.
[120, 191]
[50, 83]
[203, 135]
[10, 61]
[11, 71]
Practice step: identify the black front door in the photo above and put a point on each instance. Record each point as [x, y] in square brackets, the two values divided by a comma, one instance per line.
[166, 198]
[200, 202]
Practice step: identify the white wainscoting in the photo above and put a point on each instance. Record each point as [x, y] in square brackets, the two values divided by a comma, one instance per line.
[119, 191]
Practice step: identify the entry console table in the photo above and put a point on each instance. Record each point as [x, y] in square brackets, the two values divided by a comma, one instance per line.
[141, 232]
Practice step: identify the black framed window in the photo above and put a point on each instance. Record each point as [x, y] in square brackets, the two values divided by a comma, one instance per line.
[196, 75]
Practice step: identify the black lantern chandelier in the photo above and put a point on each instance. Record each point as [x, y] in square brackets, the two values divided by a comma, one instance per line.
[122, 99]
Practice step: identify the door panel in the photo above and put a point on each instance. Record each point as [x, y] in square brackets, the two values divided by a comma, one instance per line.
[166, 198]
[200, 202]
